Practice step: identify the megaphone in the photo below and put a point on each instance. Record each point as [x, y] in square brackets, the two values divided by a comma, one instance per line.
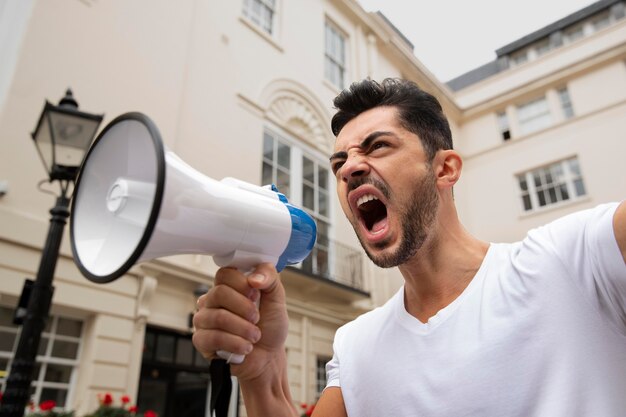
[135, 200]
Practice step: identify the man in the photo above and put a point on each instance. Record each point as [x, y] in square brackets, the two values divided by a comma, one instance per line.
[534, 328]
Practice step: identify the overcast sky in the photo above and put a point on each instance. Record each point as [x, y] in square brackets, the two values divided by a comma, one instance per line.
[451, 37]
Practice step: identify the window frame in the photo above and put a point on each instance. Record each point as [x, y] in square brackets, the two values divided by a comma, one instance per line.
[504, 126]
[530, 200]
[298, 151]
[330, 60]
[44, 361]
[531, 120]
[565, 99]
[256, 18]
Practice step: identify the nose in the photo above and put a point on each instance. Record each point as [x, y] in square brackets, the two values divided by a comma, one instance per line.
[354, 166]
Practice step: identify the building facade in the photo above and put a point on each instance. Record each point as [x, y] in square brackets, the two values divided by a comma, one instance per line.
[244, 89]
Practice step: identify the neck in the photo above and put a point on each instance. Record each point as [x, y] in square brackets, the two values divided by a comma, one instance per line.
[443, 267]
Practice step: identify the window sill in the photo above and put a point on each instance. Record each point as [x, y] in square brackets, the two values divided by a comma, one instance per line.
[555, 206]
[266, 36]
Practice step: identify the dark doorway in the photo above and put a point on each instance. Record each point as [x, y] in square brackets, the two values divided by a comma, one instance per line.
[174, 377]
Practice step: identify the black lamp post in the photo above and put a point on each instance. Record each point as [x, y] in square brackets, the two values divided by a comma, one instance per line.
[62, 136]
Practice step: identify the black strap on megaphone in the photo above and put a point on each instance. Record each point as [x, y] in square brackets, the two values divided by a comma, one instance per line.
[221, 387]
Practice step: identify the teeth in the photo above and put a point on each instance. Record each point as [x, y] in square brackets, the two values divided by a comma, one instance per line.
[364, 199]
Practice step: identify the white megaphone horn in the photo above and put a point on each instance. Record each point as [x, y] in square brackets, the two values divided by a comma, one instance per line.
[135, 201]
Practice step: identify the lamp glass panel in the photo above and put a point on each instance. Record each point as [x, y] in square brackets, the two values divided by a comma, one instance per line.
[44, 144]
[72, 136]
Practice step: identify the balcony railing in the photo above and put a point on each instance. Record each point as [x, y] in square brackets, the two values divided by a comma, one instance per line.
[335, 262]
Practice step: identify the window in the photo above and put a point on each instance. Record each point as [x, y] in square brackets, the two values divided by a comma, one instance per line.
[519, 58]
[566, 102]
[573, 34]
[601, 21]
[261, 12]
[303, 179]
[534, 116]
[335, 56]
[542, 47]
[552, 184]
[321, 373]
[503, 124]
[57, 358]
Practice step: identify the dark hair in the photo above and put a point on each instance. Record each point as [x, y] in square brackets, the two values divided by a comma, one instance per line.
[419, 112]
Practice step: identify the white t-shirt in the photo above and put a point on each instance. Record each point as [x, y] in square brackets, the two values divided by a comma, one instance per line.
[539, 331]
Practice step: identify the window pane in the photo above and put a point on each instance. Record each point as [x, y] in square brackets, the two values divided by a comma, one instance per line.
[58, 395]
[552, 195]
[308, 197]
[7, 339]
[564, 193]
[66, 350]
[542, 199]
[523, 185]
[148, 345]
[43, 346]
[282, 182]
[184, 352]
[69, 327]
[323, 204]
[549, 179]
[527, 203]
[58, 373]
[574, 167]
[165, 348]
[199, 359]
[268, 147]
[267, 174]
[580, 188]
[322, 178]
[283, 156]
[6, 317]
[308, 169]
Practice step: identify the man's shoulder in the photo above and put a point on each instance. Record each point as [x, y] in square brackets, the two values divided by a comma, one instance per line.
[375, 317]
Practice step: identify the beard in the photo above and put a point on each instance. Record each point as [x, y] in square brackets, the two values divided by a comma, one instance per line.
[416, 219]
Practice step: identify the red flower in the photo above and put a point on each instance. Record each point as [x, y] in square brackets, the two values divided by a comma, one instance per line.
[309, 412]
[47, 405]
[108, 399]
[125, 399]
[149, 413]
[133, 409]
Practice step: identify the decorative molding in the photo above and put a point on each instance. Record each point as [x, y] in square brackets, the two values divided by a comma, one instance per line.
[293, 107]
[146, 291]
[296, 116]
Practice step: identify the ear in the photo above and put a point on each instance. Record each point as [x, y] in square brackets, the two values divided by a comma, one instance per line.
[447, 166]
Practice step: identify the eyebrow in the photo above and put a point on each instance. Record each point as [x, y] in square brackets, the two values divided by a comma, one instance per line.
[363, 145]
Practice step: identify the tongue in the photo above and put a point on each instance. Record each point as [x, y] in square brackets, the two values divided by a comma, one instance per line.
[379, 225]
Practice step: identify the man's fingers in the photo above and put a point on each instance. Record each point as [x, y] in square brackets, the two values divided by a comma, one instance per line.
[225, 297]
[208, 342]
[223, 320]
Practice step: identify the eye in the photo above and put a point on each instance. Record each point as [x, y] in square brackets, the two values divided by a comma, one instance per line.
[336, 166]
[378, 145]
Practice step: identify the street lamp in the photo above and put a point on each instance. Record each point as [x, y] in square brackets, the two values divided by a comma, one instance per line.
[62, 136]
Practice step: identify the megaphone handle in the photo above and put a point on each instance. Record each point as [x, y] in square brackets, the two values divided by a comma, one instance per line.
[234, 357]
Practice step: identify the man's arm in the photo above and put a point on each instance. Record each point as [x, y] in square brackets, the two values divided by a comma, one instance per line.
[330, 404]
[228, 319]
[619, 228]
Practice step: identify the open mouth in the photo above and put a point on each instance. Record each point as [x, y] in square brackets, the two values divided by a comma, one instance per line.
[373, 212]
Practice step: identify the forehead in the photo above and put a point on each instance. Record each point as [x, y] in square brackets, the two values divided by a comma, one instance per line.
[366, 123]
